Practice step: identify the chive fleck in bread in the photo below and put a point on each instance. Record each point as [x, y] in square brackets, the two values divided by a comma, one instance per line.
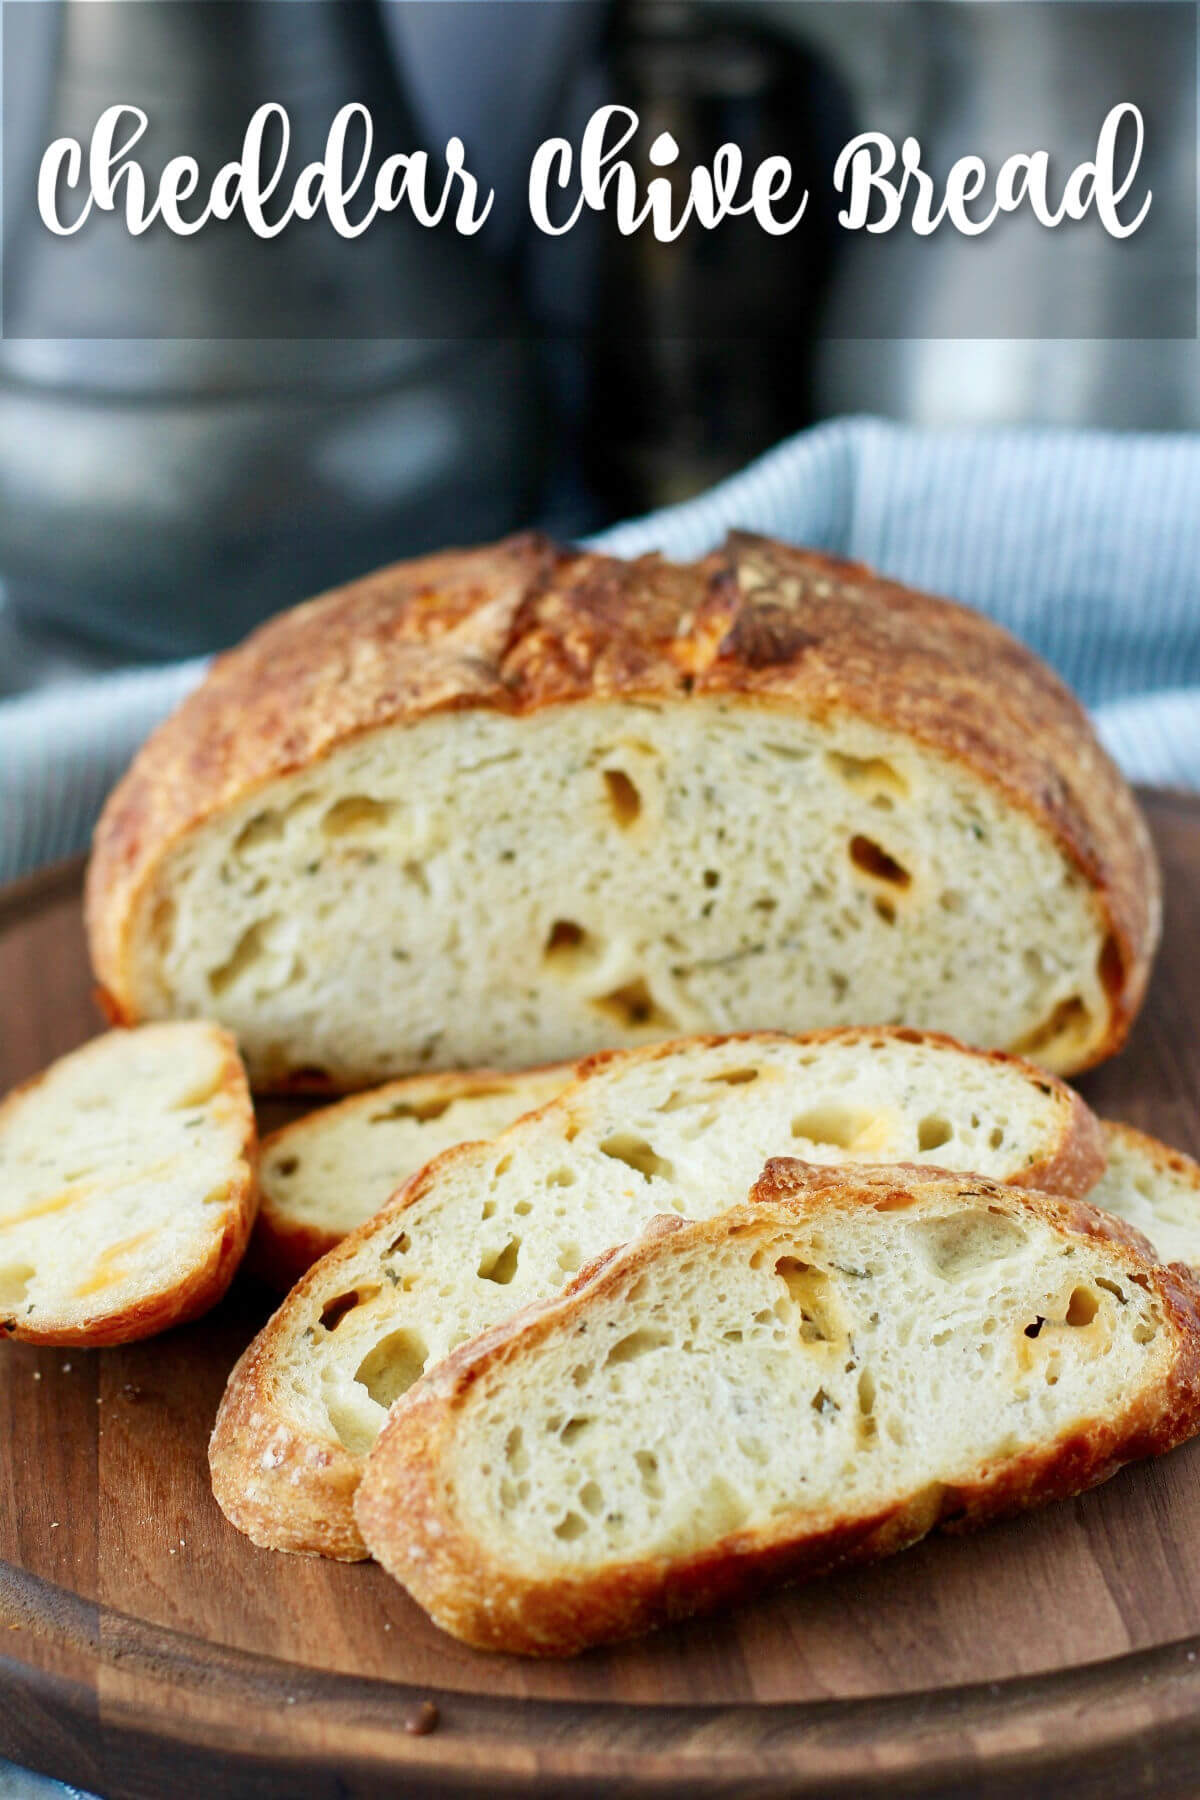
[816, 1378]
[325, 1174]
[127, 1186]
[1155, 1189]
[504, 807]
[486, 1228]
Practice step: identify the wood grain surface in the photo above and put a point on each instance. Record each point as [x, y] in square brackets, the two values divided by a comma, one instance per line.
[147, 1650]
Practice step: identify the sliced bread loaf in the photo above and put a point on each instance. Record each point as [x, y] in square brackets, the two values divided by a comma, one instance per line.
[817, 1378]
[325, 1174]
[508, 806]
[486, 1228]
[1153, 1188]
[127, 1186]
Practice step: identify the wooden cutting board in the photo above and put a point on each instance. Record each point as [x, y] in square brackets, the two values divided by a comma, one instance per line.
[148, 1652]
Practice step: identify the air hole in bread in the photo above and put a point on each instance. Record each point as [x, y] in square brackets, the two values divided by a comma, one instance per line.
[286, 1166]
[575, 1427]
[571, 1527]
[420, 1110]
[354, 814]
[870, 774]
[570, 1258]
[876, 862]
[885, 909]
[933, 1132]
[964, 1243]
[735, 1077]
[400, 1246]
[865, 1396]
[637, 1343]
[249, 949]
[390, 1369]
[501, 1265]
[636, 1153]
[570, 948]
[633, 1006]
[647, 1467]
[720, 1508]
[1070, 1022]
[263, 828]
[840, 1127]
[562, 1178]
[335, 1310]
[515, 1454]
[623, 797]
[1110, 1287]
[1082, 1307]
[995, 1137]
[591, 1498]
[14, 1282]
[414, 871]
[809, 1293]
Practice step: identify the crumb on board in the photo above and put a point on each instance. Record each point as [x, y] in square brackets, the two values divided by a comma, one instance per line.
[422, 1719]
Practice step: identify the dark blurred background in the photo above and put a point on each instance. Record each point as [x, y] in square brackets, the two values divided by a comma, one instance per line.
[194, 433]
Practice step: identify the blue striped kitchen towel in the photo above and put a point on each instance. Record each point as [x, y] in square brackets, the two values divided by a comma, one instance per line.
[1086, 544]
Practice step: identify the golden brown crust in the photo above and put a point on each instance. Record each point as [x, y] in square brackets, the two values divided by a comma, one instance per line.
[289, 1488]
[408, 1517]
[203, 1284]
[524, 624]
[253, 1450]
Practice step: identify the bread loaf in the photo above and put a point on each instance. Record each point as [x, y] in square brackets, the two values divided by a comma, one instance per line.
[325, 1174]
[486, 1227]
[127, 1186]
[817, 1378]
[1153, 1188]
[507, 806]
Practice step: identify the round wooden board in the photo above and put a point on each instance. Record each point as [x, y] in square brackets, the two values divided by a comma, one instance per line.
[147, 1651]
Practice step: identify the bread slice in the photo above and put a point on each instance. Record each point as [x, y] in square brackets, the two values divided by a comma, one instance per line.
[486, 1228]
[1153, 1188]
[325, 1174]
[127, 1186]
[508, 806]
[819, 1377]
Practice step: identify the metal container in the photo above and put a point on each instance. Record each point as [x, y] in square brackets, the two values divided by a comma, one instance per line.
[196, 431]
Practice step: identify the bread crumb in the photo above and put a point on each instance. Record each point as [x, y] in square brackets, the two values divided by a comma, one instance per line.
[66, 1368]
[422, 1719]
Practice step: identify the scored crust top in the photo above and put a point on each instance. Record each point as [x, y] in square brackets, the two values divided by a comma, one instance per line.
[526, 623]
